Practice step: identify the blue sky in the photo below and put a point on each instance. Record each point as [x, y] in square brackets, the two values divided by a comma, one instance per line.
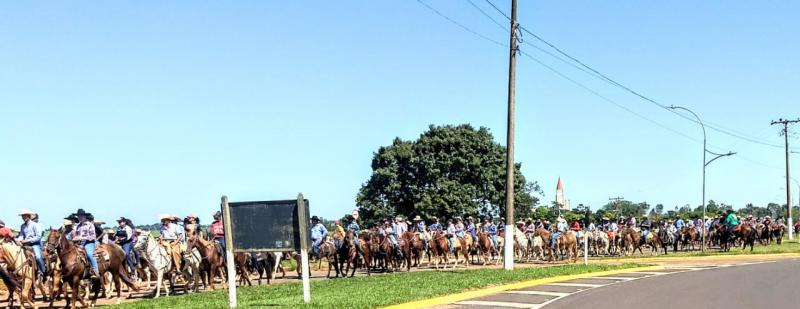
[139, 108]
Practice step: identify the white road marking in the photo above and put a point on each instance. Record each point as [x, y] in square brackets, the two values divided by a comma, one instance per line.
[655, 273]
[498, 304]
[557, 294]
[580, 285]
[612, 278]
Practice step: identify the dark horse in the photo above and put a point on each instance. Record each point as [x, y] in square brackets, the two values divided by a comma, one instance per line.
[666, 239]
[349, 255]
[76, 267]
[327, 250]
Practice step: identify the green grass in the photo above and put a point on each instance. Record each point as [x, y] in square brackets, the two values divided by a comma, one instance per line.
[786, 247]
[370, 292]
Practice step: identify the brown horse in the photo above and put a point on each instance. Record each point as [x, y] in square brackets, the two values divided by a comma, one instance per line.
[631, 241]
[407, 246]
[747, 234]
[211, 262]
[112, 259]
[763, 234]
[546, 247]
[776, 231]
[689, 236]
[466, 243]
[75, 267]
[568, 243]
[440, 248]
[350, 257]
[242, 262]
[327, 250]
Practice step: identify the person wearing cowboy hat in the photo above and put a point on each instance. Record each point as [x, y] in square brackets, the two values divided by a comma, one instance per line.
[30, 235]
[191, 226]
[490, 229]
[318, 234]
[171, 236]
[645, 227]
[125, 237]
[435, 226]
[421, 230]
[352, 226]
[471, 229]
[86, 235]
[402, 226]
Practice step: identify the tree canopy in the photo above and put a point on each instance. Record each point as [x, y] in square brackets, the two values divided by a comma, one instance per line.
[447, 171]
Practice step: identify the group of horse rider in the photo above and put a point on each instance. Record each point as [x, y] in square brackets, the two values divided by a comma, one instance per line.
[81, 228]
[394, 227]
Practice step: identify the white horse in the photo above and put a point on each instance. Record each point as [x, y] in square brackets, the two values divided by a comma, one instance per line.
[17, 262]
[159, 260]
[601, 242]
[537, 249]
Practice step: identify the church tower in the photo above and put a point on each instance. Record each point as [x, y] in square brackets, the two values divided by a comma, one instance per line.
[561, 199]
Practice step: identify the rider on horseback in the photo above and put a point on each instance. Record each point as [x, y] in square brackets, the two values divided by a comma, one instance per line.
[171, 235]
[86, 236]
[420, 225]
[318, 233]
[125, 237]
[352, 226]
[561, 227]
[731, 221]
[645, 226]
[490, 229]
[30, 235]
[218, 232]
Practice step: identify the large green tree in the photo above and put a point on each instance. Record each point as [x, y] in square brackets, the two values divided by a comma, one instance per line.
[447, 171]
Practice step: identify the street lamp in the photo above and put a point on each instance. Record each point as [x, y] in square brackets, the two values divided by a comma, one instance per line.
[705, 163]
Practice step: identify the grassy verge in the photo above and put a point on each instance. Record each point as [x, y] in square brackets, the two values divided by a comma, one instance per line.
[786, 247]
[370, 292]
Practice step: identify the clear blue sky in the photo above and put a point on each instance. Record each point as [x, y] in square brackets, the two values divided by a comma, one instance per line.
[138, 108]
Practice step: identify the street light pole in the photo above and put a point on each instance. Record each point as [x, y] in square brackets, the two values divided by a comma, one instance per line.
[705, 163]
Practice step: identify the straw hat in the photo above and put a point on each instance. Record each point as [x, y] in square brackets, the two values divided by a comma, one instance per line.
[163, 217]
[26, 212]
[417, 218]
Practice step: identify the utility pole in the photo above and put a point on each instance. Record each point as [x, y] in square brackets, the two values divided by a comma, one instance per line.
[615, 201]
[785, 132]
[508, 256]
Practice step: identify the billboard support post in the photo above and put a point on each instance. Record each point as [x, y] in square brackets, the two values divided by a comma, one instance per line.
[226, 217]
[303, 216]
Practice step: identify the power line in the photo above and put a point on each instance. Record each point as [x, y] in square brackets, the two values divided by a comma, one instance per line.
[611, 81]
[580, 85]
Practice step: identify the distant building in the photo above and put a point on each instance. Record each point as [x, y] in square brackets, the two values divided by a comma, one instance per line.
[561, 199]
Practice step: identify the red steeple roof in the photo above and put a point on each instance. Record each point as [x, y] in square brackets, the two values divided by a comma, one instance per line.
[560, 185]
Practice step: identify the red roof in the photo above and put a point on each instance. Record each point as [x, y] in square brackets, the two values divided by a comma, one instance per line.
[560, 185]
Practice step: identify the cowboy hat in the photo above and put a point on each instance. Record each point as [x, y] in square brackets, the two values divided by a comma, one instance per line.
[67, 222]
[217, 214]
[163, 217]
[192, 216]
[2, 224]
[350, 218]
[520, 222]
[399, 219]
[26, 212]
[82, 212]
[99, 222]
[417, 218]
[314, 218]
[122, 219]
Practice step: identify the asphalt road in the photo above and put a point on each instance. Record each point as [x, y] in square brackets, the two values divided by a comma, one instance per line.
[767, 285]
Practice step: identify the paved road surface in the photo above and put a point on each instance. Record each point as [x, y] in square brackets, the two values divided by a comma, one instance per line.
[729, 285]
[766, 285]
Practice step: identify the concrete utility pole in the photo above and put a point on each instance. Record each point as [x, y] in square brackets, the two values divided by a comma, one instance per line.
[615, 201]
[785, 132]
[508, 256]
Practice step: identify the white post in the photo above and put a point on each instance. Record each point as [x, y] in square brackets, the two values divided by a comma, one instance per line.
[585, 248]
[229, 263]
[305, 269]
[508, 246]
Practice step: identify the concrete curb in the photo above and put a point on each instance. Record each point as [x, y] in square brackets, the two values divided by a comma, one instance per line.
[453, 298]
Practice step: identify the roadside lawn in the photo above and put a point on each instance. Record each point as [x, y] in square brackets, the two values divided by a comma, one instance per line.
[786, 247]
[370, 292]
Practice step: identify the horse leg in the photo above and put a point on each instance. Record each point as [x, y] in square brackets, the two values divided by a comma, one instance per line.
[159, 279]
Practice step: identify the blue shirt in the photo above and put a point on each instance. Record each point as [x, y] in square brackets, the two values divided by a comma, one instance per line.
[679, 224]
[435, 227]
[490, 229]
[471, 228]
[30, 233]
[421, 226]
[318, 231]
[353, 226]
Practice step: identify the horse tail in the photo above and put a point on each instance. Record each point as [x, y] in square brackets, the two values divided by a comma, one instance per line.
[10, 283]
[123, 274]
